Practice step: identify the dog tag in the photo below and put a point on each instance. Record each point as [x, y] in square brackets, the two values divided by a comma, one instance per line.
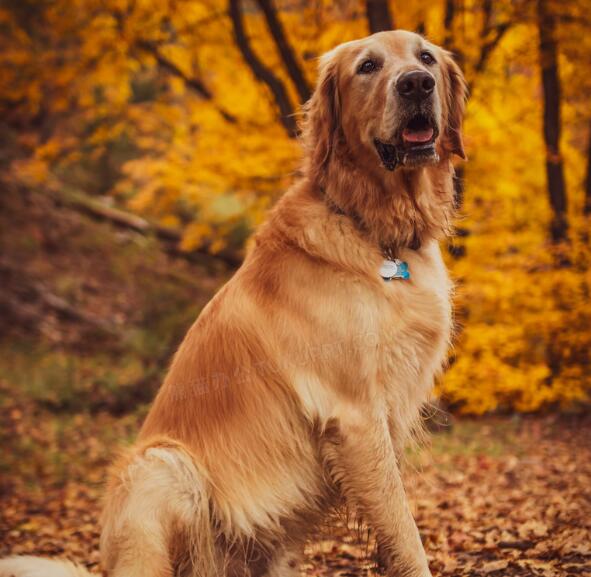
[394, 269]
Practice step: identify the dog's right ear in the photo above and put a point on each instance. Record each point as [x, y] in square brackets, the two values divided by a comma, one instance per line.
[321, 123]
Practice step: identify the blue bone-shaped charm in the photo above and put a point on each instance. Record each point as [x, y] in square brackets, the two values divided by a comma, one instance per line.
[394, 269]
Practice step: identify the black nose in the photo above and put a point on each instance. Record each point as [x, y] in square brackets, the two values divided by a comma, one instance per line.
[415, 85]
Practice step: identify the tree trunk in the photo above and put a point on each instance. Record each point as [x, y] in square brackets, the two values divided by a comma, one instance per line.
[285, 50]
[551, 92]
[379, 17]
[261, 72]
[459, 186]
[457, 251]
[449, 43]
[448, 24]
[587, 208]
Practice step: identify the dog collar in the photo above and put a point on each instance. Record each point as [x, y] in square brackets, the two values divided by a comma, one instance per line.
[394, 269]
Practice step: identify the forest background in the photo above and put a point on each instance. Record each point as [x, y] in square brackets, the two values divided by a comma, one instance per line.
[142, 141]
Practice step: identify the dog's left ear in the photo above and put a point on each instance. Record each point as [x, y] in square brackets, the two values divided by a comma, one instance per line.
[456, 96]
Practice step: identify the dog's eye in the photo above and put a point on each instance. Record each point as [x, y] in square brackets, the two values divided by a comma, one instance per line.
[427, 58]
[367, 67]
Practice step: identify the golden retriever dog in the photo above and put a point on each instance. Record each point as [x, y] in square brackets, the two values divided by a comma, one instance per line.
[300, 382]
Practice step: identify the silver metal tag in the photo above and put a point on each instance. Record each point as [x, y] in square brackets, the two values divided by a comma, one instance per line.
[388, 269]
[394, 269]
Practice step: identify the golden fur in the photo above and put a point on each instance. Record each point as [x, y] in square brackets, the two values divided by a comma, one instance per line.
[303, 377]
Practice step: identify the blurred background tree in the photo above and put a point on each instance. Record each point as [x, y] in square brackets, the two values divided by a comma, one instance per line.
[176, 123]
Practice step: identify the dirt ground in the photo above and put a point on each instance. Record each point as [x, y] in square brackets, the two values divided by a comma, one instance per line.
[502, 496]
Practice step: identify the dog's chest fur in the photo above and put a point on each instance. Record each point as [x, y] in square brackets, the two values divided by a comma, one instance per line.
[382, 337]
[415, 337]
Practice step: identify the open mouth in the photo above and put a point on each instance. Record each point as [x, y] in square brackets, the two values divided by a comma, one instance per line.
[418, 132]
[415, 145]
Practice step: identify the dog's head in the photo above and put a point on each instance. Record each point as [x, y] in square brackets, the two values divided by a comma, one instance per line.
[393, 99]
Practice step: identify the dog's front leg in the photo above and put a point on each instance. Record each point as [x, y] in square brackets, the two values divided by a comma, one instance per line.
[365, 466]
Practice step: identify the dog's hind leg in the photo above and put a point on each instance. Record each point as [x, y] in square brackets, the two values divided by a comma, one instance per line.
[157, 517]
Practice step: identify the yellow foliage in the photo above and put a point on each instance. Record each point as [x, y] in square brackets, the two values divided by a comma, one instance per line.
[32, 171]
[194, 235]
[115, 84]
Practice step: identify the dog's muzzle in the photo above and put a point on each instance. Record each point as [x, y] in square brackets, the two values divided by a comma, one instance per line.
[414, 146]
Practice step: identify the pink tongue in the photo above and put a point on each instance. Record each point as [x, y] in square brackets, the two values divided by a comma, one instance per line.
[417, 135]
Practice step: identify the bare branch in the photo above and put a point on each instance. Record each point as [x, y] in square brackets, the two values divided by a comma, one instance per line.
[152, 48]
[170, 237]
[491, 34]
[193, 83]
[488, 47]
